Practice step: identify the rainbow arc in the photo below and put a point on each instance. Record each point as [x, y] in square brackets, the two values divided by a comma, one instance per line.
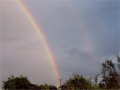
[43, 39]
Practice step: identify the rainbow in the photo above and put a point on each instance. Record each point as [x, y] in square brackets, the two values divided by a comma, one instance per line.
[84, 35]
[42, 38]
[88, 45]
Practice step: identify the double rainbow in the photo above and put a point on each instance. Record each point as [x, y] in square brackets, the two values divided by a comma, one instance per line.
[83, 33]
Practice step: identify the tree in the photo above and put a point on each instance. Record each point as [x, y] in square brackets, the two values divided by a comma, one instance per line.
[23, 83]
[44, 87]
[51, 87]
[77, 82]
[111, 74]
[47, 87]
[17, 83]
[118, 64]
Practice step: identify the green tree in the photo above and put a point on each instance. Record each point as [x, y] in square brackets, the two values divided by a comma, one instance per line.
[17, 83]
[23, 83]
[47, 87]
[44, 87]
[51, 87]
[111, 74]
[77, 82]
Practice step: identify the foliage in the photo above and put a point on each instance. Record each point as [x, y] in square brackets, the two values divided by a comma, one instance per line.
[17, 83]
[77, 82]
[51, 87]
[110, 74]
[23, 83]
[47, 87]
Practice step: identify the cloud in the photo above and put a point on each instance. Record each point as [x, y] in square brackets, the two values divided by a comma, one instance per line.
[78, 61]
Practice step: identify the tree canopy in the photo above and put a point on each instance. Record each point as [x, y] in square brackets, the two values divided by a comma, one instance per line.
[77, 82]
[23, 83]
[110, 72]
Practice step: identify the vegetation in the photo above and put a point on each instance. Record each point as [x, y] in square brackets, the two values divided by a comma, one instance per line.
[17, 83]
[110, 73]
[23, 83]
[77, 82]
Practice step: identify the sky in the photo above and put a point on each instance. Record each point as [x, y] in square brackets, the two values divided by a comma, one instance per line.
[80, 33]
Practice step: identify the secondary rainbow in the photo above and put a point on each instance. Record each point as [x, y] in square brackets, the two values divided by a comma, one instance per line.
[42, 38]
[84, 34]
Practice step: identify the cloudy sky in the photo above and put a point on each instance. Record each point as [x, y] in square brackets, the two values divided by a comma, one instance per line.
[80, 33]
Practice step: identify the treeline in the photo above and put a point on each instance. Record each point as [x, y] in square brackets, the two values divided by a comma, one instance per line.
[23, 83]
[109, 78]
